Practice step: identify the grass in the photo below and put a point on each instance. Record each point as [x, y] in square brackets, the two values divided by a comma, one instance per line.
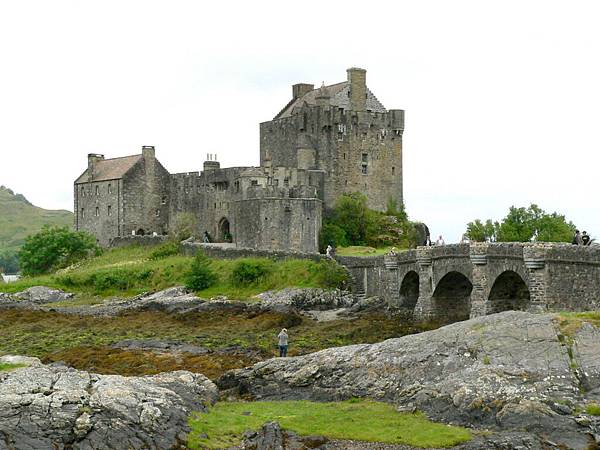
[593, 409]
[68, 337]
[130, 271]
[358, 250]
[354, 419]
[8, 366]
[570, 322]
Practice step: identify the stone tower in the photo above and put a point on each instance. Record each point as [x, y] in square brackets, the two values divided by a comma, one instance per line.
[343, 131]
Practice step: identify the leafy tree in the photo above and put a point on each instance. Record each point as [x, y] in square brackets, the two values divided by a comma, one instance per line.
[54, 248]
[332, 234]
[200, 276]
[184, 226]
[352, 215]
[524, 225]
[9, 262]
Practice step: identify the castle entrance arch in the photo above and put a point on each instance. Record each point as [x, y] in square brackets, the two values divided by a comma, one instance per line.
[509, 293]
[409, 291]
[452, 298]
[224, 230]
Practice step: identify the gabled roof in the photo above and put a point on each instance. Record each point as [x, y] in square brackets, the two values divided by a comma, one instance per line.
[338, 97]
[110, 169]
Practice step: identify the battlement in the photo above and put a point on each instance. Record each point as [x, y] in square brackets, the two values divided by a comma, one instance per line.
[276, 192]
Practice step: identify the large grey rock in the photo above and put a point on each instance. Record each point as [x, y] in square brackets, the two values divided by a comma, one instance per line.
[41, 295]
[308, 299]
[272, 437]
[507, 371]
[43, 407]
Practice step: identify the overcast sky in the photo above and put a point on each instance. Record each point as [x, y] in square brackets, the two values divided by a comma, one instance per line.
[502, 99]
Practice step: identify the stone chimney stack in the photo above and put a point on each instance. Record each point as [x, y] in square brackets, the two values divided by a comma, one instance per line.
[148, 152]
[357, 78]
[298, 90]
[93, 159]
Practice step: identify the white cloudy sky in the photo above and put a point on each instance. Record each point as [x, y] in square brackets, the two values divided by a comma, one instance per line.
[502, 99]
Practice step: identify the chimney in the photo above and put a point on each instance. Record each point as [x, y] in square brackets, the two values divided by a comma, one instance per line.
[300, 89]
[357, 78]
[148, 151]
[93, 159]
[211, 163]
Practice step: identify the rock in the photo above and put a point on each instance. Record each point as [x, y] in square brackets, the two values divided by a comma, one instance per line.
[41, 295]
[307, 299]
[272, 437]
[161, 346]
[499, 371]
[57, 407]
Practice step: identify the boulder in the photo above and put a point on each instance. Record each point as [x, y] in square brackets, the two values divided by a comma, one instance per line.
[44, 406]
[272, 437]
[503, 371]
[307, 299]
[41, 295]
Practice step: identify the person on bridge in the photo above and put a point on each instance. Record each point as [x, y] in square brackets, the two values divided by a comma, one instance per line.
[585, 238]
[577, 239]
[440, 241]
[283, 343]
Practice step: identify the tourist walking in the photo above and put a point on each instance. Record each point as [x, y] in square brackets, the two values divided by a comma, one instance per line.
[283, 343]
[577, 239]
[585, 238]
[206, 237]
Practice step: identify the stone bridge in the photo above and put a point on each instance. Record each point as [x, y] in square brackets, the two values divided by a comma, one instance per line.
[455, 282]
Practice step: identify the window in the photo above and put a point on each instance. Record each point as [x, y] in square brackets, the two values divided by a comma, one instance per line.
[82, 212]
[158, 213]
[364, 157]
[109, 210]
[97, 190]
[286, 181]
[164, 200]
[364, 169]
[82, 191]
[254, 182]
[393, 170]
[97, 213]
[110, 188]
[344, 156]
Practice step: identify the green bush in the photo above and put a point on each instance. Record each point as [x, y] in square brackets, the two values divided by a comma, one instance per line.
[332, 275]
[246, 272]
[170, 248]
[332, 234]
[593, 409]
[54, 248]
[200, 275]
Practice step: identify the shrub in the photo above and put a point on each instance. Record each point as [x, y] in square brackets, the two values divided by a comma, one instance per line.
[332, 234]
[332, 275]
[54, 248]
[593, 409]
[184, 226]
[200, 275]
[246, 272]
[170, 248]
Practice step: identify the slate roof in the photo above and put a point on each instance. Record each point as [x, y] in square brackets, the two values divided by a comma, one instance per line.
[338, 97]
[111, 169]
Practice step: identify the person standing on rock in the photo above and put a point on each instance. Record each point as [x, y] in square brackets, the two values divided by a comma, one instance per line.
[283, 343]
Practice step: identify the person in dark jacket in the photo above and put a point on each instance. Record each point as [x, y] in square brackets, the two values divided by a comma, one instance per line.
[585, 238]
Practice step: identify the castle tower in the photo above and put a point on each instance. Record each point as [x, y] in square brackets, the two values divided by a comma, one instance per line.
[355, 140]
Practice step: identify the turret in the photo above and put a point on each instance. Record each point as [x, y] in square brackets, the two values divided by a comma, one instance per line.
[357, 78]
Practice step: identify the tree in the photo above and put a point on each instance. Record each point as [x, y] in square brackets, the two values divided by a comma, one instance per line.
[523, 225]
[200, 276]
[9, 262]
[184, 226]
[54, 248]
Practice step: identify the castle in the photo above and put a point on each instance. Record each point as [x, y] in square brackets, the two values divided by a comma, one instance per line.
[325, 142]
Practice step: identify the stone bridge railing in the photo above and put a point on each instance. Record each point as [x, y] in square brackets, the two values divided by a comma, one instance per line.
[455, 282]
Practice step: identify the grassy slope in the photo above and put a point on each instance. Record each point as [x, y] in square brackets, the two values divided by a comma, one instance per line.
[130, 271]
[356, 420]
[18, 219]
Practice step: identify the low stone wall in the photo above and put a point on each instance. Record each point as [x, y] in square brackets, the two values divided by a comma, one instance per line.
[226, 252]
[145, 241]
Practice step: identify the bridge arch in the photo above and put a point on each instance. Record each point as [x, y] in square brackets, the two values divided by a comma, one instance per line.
[509, 292]
[451, 299]
[409, 290]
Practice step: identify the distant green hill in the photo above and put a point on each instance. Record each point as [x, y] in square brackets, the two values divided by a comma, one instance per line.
[18, 219]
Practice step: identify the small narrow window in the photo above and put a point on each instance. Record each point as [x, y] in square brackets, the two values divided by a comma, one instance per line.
[364, 157]
[254, 182]
[82, 212]
[110, 188]
[393, 170]
[364, 169]
[158, 213]
[109, 210]
[82, 191]
[286, 181]
[97, 211]
[97, 190]
[344, 156]
[164, 200]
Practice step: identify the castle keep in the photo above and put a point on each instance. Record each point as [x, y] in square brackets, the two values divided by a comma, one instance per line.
[325, 142]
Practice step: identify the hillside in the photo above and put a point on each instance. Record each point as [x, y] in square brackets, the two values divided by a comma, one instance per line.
[19, 218]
